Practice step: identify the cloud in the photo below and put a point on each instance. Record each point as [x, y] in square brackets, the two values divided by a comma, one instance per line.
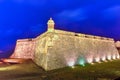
[10, 32]
[111, 13]
[74, 15]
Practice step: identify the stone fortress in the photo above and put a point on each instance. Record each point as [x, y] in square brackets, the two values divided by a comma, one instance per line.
[57, 48]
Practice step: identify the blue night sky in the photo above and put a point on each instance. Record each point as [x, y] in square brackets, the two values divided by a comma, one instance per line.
[27, 19]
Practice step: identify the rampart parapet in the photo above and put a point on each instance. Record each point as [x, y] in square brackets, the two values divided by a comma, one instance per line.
[24, 49]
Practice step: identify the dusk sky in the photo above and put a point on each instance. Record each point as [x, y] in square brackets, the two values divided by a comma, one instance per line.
[21, 19]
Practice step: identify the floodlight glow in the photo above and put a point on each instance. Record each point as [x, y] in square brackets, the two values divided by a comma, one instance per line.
[103, 58]
[92, 63]
[97, 59]
[71, 63]
[106, 61]
[90, 60]
[73, 66]
[81, 61]
[118, 56]
[113, 57]
[109, 57]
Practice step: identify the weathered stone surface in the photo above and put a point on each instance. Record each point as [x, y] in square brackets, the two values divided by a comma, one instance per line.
[24, 49]
[117, 44]
[56, 50]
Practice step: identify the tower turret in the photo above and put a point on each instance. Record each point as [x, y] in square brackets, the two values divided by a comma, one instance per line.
[50, 24]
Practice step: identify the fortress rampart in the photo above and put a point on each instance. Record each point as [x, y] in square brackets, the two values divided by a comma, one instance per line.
[24, 49]
[56, 48]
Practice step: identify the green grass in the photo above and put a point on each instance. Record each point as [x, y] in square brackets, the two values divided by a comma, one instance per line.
[106, 70]
[29, 71]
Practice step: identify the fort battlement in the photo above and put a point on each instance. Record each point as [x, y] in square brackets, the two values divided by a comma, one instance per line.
[81, 35]
[24, 49]
[93, 37]
[25, 40]
[75, 34]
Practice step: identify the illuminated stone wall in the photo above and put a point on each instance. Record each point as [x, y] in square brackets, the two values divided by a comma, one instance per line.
[117, 44]
[60, 48]
[24, 49]
[56, 48]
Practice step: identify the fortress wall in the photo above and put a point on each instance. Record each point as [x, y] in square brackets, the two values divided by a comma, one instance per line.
[66, 50]
[41, 53]
[58, 49]
[94, 50]
[117, 44]
[62, 50]
[24, 49]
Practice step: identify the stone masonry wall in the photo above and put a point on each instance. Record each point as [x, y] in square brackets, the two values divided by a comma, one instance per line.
[24, 49]
[59, 49]
[117, 44]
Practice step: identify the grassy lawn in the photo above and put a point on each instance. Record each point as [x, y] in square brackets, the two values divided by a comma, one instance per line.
[29, 71]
